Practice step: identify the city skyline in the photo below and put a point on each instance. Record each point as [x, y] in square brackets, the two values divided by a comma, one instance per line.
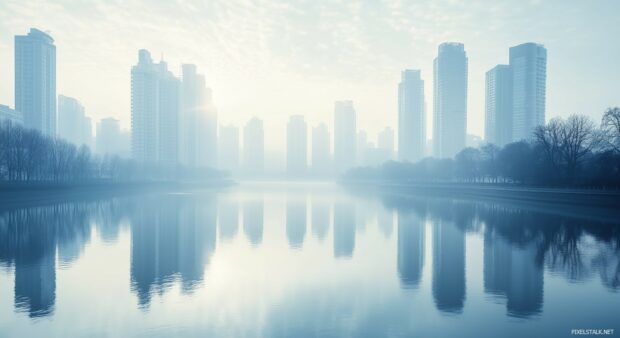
[370, 89]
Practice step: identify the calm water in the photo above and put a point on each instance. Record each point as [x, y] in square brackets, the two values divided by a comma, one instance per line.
[303, 260]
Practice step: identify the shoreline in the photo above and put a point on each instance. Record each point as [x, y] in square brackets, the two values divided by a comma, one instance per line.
[41, 193]
[542, 195]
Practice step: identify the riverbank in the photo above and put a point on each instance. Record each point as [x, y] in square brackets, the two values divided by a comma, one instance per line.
[563, 196]
[16, 194]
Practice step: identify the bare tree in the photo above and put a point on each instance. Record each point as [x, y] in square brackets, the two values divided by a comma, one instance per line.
[579, 138]
[610, 127]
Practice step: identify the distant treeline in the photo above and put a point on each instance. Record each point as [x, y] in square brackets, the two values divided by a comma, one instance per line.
[26, 155]
[571, 152]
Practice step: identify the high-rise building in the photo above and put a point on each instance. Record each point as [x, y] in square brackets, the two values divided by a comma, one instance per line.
[11, 115]
[73, 125]
[385, 142]
[168, 121]
[529, 76]
[254, 147]
[411, 116]
[296, 145]
[345, 136]
[498, 106]
[198, 120]
[228, 151]
[450, 100]
[321, 154]
[154, 111]
[108, 137]
[35, 80]
[362, 147]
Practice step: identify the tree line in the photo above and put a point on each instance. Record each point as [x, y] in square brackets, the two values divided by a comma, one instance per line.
[27, 155]
[571, 152]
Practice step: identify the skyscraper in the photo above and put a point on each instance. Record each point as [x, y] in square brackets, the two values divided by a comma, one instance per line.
[450, 100]
[529, 76]
[498, 106]
[11, 115]
[72, 121]
[198, 120]
[169, 114]
[154, 111]
[321, 154]
[411, 116]
[345, 136]
[228, 151]
[385, 142]
[254, 147]
[108, 137]
[35, 80]
[296, 145]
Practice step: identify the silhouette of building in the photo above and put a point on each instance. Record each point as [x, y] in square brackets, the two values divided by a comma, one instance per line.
[528, 62]
[320, 217]
[448, 267]
[109, 139]
[512, 271]
[73, 125]
[321, 154]
[253, 219]
[296, 220]
[296, 146]
[254, 147]
[228, 151]
[411, 244]
[154, 111]
[345, 136]
[198, 120]
[11, 115]
[344, 229]
[35, 80]
[411, 117]
[227, 218]
[498, 106]
[385, 142]
[450, 100]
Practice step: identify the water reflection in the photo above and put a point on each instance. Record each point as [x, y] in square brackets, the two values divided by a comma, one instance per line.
[295, 220]
[344, 229]
[173, 239]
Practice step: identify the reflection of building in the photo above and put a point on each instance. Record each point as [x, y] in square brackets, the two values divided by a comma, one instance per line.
[171, 239]
[320, 218]
[253, 220]
[411, 116]
[448, 267]
[228, 218]
[295, 220]
[35, 80]
[344, 229]
[450, 100]
[410, 249]
[513, 272]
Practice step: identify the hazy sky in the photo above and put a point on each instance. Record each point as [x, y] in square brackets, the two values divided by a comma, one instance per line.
[274, 58]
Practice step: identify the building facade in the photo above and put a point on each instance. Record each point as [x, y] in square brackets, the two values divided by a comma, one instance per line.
[296, 146]
[35, 80]
[73, 125]
[345, 136]
[411, 117]
[11, 115]
[498, 106]
[450, 100]
[528, 62]
[321, 153]
[254, 147]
